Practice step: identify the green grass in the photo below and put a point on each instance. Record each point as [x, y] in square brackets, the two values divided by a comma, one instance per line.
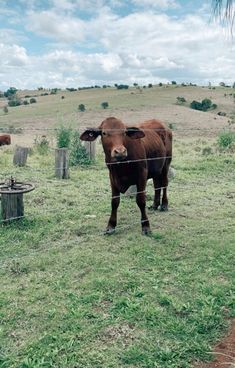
[71, 297]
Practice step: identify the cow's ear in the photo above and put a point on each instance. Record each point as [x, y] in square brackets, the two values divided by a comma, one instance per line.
[90, 134]
[134, 133]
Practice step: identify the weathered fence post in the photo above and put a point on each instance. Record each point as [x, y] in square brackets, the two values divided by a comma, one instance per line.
[90, 149]
[20, 156]
[12, 206]
[62, 163]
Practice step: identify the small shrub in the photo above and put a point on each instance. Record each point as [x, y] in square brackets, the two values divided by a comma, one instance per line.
[226, 139]
[42, 145]
[78, 153]
[160, 84]
[180, 100]
[173, 82]
[205, 105]
[105, 105]
[150, 85]
[62, 97]
[14, 102]
[25, 102]
[63, 137]
[32, 100]
[81, 107]
[5, 110]
[207, 151]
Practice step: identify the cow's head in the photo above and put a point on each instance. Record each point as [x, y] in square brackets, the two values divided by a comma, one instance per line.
[114, 136]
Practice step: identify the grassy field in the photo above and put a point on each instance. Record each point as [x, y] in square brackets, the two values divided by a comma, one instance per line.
[72, 297]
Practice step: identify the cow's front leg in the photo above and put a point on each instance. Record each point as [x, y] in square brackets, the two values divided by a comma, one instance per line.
[141, 202]
[113, 217]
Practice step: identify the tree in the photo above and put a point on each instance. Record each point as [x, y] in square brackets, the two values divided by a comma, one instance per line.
[32, 100]
[224, 6]
[173, 82]
[10, 92]
[105, 105]
[81, 107]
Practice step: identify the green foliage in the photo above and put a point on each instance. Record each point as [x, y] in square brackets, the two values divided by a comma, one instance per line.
[10, 92]
[14, 102]
[205, 105]
[25, 102]
[173, 82]
[32, 100]
[42, 145]
[150, 85]
[78, 155]
[121, 86]
[226, 139]
[81, 107]
[63, 137]
[160, 84]
[105, 105]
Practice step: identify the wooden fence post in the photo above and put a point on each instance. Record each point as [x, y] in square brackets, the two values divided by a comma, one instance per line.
[90, 149]
[62, 163]
[12, 206]
[20, 156]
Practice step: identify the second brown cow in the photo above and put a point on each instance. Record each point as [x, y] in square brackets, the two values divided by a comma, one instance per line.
[134, 155]
[5, 139]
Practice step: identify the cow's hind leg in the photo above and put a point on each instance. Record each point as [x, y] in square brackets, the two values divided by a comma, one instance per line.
[141, 202]
[157, 193]
[113, 217]
[164, 181]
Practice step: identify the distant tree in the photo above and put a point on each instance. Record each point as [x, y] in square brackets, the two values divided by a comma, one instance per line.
[81, 107]
[40, 88]
[173, 82]
[71, 89]
[14, 102]
[105, 105]
[205, 105]
[150, 85]
[104, 86]
[222, 84]
[32, 100]
[25, 102]
[1, 94]
[122, 86]
[10, 92]
[135, 84]
[233, 84]
[160, 84]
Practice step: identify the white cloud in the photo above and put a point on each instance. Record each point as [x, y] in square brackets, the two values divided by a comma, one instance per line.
[142, 46]
[157, 4]
[50, 24]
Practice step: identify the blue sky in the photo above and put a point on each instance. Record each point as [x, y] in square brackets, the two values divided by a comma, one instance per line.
[72, 43]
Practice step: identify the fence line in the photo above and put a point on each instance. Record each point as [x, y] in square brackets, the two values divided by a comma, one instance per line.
[122, 195]
[79, 241]
[64, 245]
[10, 130]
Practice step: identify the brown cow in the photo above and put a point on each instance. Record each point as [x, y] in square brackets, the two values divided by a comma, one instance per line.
[133, 155]
[5, 139]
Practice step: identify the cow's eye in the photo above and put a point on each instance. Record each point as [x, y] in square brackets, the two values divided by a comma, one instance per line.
[104, 133]
[90, 134]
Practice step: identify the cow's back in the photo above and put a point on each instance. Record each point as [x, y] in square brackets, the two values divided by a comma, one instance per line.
[157, 143]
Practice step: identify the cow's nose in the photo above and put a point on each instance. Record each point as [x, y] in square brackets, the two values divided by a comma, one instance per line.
[120, 151]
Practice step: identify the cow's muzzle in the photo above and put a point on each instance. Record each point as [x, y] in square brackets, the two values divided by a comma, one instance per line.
[119, 153]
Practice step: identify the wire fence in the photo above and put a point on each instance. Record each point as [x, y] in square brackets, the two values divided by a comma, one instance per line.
[97, 194]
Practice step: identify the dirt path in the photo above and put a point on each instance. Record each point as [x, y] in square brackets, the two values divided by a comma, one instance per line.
[224, 352]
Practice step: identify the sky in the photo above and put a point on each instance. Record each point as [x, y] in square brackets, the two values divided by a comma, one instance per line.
[75, 43]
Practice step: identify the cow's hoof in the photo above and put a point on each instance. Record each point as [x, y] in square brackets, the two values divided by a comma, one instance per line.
[153, 207]
[109, 231]
[163, 208]
[146, 231]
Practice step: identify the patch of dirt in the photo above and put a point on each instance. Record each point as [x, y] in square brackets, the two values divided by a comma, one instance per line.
[224, 352]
